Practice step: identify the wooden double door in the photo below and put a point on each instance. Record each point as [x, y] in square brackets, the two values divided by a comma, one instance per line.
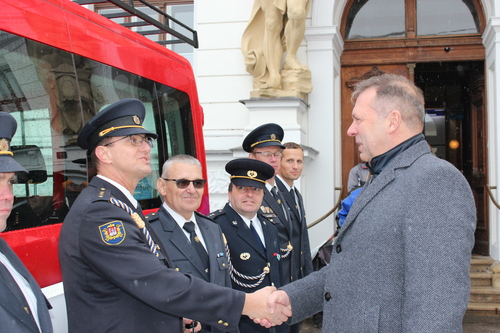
[455, 126]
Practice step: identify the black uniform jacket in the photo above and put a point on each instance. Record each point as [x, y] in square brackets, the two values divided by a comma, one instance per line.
[274, 212]
[249, 258]
[114, 283]
[301, 256]
[182, 254]
[13, 318]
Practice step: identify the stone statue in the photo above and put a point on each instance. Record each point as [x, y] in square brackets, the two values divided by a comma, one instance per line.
[276, 26]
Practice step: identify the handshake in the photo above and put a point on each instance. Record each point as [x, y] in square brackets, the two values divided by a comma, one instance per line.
[268, 307]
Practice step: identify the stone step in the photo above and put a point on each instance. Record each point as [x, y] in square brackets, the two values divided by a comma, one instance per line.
[483, 310]
[484, 295]
[481, 279]
[481, 263]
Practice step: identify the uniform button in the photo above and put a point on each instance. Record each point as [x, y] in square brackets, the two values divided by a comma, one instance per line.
[225, 324]
[327, 296]
[220, 322]
[338, 249]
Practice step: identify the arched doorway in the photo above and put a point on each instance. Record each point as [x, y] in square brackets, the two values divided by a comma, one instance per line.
[438, 45]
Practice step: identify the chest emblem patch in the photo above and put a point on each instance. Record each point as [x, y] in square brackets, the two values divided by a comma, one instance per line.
[112, 233]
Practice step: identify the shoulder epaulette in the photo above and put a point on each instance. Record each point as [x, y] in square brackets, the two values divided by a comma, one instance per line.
[213, 215]
[103, 194]
[152, 217]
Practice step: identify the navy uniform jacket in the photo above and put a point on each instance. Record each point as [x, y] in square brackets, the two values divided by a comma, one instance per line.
[301, 256]
[273, 211]
[13, 318]
[113, 283]
[183, 255]
[248, 257]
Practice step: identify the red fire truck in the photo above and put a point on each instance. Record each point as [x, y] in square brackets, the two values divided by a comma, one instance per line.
[61, 63]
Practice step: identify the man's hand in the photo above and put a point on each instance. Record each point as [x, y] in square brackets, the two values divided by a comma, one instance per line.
[191, 325]
[277, 301]
[265, 309]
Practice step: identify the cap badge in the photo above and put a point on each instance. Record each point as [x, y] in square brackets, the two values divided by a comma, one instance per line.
[136, 120]
[273, 136]
[252, 173]
[4, 145]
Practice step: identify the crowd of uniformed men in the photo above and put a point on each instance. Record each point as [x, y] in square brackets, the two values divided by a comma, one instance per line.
[400, 261]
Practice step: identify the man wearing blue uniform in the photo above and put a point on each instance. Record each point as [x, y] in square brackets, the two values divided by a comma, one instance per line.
[23, 307]
[117, 275]
[251, 238]
[194, 243]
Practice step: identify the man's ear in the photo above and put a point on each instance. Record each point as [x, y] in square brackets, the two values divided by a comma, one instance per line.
[395, 119]
[103, 154]
[160, 186]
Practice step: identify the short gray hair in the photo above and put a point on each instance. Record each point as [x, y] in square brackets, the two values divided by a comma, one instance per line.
[186, 159]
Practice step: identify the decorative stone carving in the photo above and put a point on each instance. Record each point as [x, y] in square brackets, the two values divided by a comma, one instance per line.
[218, 181]
[276, 26]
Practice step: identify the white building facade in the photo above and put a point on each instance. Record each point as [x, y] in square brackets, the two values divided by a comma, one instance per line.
[319, 123]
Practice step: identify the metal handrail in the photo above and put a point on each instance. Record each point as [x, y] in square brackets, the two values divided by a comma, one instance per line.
[488, 189]
[331, 210]
[131, 10]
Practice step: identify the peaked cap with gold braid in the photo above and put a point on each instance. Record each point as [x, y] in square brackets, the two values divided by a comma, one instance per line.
[8, 127]
[264, 136]
[249, 172]
[121, 118]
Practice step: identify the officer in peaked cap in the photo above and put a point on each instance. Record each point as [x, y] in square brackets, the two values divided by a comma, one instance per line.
[264, 144]
[8, 127]
[114, 266]
[264, 136]
[23, 307]
[122, 118]
[252, 239]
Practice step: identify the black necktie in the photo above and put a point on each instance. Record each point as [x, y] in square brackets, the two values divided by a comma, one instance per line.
[14, 287]
[252, 228]
[195, 241]
[296, 199]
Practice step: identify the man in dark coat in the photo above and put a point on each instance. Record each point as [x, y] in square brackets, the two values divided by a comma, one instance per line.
[117, 276]
[264, 144]
[181, 186]
[401, 260]
[23, 307]
[251, 238]
[292, 163]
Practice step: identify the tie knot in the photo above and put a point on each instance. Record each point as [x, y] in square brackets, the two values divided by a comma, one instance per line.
[189, 226]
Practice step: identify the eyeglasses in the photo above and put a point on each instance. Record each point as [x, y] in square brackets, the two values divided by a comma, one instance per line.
[184, 183]
[136, 140]
[268, 154]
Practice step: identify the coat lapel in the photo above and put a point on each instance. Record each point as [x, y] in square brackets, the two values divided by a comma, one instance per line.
[270, 202]
[9, 301]
[288, 198]
[403, 160]
[244, 232]
[178, 238]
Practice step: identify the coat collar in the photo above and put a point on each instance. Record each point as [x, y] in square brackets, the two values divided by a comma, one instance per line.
[402, 160]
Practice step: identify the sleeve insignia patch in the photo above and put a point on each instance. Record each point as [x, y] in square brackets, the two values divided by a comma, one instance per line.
[112, 233]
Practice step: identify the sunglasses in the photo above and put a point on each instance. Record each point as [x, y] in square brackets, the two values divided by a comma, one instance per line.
[184, 183]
